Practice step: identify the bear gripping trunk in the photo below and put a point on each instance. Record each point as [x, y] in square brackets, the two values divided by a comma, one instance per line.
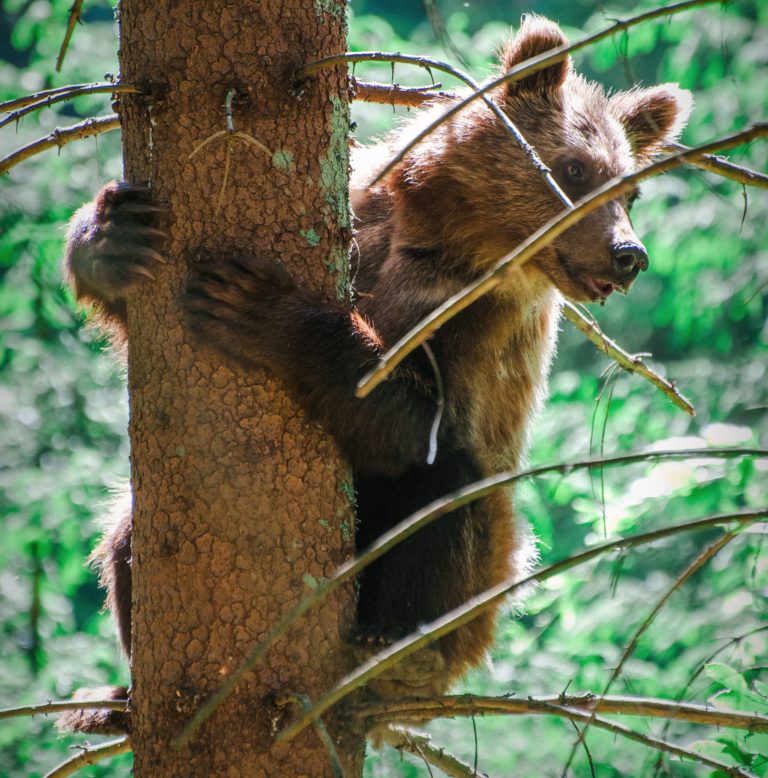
[239, 504]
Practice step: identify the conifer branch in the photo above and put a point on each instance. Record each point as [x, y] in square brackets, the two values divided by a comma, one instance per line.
[59, 137]
[456, 618]
[453, 706]
[662, 745]
[413, 97]
[537, 63]
[420, 745]
[74, 18]
[90, 755]
[404, 530]
[540, 239]
[725, 168]
[629, 649]
[56, 96]
[434, 64]
[395, 94]
[630, 362]
[62, 705]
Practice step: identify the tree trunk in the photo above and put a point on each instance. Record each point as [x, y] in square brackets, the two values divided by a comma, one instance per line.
[240, 504]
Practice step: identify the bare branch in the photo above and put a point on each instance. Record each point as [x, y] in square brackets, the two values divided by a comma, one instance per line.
[74, 18]
[61, 95]
[630, 362]
[456, 618]
[540, 62]
[404, 530]
[452, 706]
[60, 136]
[722, 167]
[395, 94]
[662, 745]
[420, 745]
[434, 64]
[532, 245]
[62, 705]
[20, 102]
[629, 649]
[91, 755]
[293, 698]
[413, 97]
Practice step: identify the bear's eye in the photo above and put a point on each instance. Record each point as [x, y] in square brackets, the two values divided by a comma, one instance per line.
[575, 171]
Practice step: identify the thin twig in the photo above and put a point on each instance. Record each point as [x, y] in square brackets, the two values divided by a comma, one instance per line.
[230, 133]
[441, 31]
[74, 18]
[434, 64]
[60, 136]
[629, 649]
[533, 65]
[62, 705]
[532, 245]
[395, 94]
[455, 705]
[662, 745]
[65, 94]
[702, 666]
[477, 605]
[404, 530]
[420, 745]
[91, 755]
[630, 362]
[322, 731]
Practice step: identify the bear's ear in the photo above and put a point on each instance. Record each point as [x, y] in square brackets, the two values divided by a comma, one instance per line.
[536, 35]
[652, 117]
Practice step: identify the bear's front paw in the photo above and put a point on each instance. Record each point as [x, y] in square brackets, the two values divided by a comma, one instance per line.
[113, 242]
[236, 304]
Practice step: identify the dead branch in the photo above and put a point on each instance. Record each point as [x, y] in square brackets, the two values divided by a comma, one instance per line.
[535, 243]
[293, 698]
[534, 64]
[629, 649]
[413, 97]
[62, 705]
[60, 136]
[453, 706]
[61, 95]
[20, 102]
[395, 94]
[91, 755]
[725, 168]
[74, 18]
[420, 745]
[664, 746]
[434, 64]
[404, 530]
[456, 618]
[630, 362]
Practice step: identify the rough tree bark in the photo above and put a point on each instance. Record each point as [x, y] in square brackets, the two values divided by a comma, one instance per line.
[240, 504]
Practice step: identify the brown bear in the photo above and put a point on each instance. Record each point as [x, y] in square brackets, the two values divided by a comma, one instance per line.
[447, 212]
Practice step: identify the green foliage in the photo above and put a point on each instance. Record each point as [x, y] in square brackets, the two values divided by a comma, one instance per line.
[701, 311]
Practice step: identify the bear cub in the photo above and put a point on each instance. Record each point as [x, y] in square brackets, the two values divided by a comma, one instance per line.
[444, 215]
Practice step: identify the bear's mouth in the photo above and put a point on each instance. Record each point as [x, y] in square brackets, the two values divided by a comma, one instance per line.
[596, 288]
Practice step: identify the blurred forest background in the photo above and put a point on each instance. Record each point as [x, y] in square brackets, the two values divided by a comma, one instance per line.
[700, 311]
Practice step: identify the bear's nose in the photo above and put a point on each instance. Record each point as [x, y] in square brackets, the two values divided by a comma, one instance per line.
[629, 258]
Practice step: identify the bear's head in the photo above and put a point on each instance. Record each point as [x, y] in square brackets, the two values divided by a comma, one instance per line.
[471, 188]
[586, 137]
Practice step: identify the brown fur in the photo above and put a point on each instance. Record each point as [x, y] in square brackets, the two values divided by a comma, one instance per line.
[445, 214]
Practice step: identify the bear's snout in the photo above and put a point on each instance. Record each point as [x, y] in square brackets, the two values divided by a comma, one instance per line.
[628, 259]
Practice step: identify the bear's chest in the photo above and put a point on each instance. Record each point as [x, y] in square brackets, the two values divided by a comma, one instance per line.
[505, 389]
